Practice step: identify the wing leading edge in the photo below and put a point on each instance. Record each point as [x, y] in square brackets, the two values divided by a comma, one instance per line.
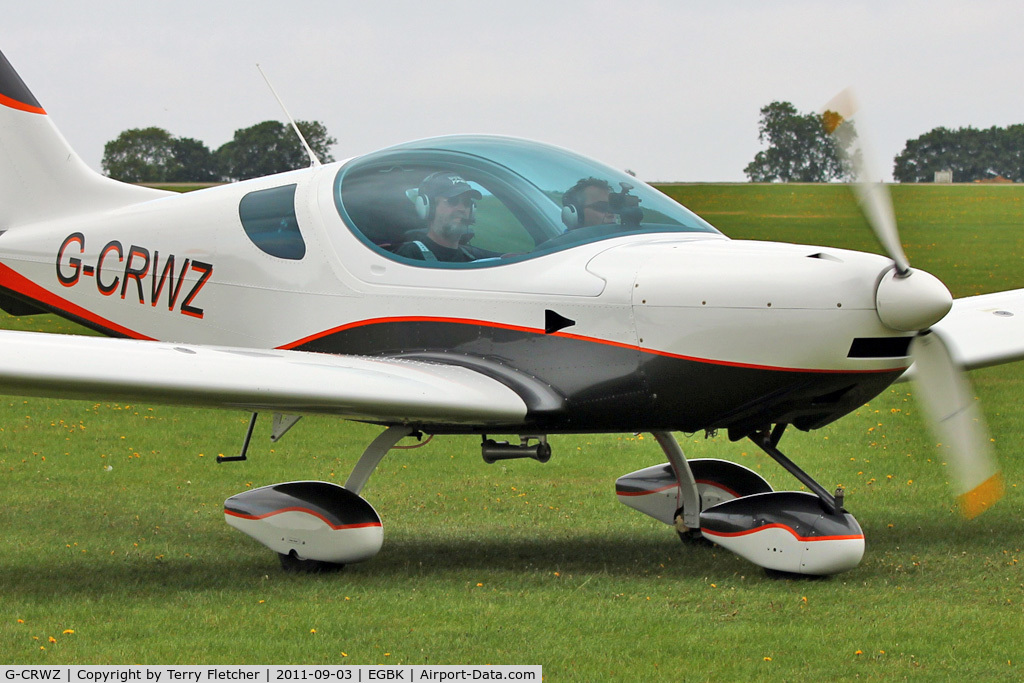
[370, 389]
[983, 330]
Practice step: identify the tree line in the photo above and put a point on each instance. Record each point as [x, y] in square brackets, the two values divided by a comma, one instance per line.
[800, 149]
[971, 154]
[153, 155]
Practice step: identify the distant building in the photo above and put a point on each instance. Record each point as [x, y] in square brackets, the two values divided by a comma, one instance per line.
[944, 176]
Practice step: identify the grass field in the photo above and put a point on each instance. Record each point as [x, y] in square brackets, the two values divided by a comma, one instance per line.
[115, 550]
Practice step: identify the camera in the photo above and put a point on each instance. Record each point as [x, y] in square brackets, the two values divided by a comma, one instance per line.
[626, 205]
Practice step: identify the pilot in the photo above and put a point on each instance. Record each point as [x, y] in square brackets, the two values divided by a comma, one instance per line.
[447, 203]
[586, 203]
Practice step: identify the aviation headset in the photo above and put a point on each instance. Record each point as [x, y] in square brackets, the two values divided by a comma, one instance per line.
[425, 205]
[572, 210]
[572, 201]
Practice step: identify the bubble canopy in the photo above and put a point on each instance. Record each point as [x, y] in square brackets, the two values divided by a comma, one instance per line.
[521, 200]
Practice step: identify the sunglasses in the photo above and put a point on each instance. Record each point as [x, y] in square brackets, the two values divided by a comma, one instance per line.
[600, 207]
[463, 200]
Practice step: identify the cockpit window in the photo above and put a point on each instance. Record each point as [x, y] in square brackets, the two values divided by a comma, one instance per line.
[466, 201]
[268, 218]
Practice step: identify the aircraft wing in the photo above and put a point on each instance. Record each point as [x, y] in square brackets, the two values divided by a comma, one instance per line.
[983, 330]
[362, 388]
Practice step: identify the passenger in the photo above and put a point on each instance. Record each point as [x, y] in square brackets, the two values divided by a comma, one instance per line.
[447, 203]
[587, 203]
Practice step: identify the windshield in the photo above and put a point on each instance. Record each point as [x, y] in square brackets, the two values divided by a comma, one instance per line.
[475, 201]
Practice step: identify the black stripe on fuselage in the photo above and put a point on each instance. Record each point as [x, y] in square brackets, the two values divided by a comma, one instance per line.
[26, 305]
[575, 384]
[13, 88]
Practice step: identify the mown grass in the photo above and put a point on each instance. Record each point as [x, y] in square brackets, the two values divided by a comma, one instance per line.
[970, 236]
[521, 562]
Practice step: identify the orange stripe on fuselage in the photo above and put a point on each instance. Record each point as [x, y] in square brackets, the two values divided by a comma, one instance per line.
[566, 335]
[16, 282]
[20, 106]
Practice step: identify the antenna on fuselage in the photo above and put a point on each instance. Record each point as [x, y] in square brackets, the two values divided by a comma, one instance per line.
[313, 161]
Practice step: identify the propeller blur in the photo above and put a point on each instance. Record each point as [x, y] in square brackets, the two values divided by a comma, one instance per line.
[912, 301]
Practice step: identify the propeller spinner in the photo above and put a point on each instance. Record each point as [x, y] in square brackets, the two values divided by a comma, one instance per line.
[910, 300]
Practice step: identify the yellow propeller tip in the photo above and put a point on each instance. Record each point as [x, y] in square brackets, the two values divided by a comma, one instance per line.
[840, 108]
[831, 120]
[982, 497]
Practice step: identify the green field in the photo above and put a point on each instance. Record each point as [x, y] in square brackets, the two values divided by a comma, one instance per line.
[113, 526]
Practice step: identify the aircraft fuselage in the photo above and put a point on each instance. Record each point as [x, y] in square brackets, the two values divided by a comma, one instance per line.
[633, 333]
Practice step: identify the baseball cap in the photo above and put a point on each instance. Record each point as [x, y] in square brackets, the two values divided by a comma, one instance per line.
[446, 185]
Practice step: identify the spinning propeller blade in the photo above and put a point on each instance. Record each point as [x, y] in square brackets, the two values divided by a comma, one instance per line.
[910, 301]
[956, 419]
[871, 194]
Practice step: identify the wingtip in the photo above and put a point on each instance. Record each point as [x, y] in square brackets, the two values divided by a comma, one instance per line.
[982, 497]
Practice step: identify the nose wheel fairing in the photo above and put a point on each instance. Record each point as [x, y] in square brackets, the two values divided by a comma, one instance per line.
[785, 531]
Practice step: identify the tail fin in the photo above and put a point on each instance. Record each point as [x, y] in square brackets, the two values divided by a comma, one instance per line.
[41, 177]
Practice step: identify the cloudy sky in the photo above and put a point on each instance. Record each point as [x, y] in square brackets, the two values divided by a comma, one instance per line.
[671, 89]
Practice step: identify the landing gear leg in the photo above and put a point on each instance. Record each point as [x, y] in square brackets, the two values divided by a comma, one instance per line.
[687, 520]
[373, 454]
[768, 442]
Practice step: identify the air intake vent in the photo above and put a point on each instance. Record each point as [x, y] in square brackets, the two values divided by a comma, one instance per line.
[880, 347]
[825, 257]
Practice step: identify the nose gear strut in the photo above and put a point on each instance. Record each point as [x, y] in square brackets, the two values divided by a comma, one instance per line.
[768, 441]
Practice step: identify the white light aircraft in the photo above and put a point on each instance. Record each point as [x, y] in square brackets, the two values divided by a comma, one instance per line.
[482, 285]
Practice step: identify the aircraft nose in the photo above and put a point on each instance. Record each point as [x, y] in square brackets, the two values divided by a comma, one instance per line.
[911, 302]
